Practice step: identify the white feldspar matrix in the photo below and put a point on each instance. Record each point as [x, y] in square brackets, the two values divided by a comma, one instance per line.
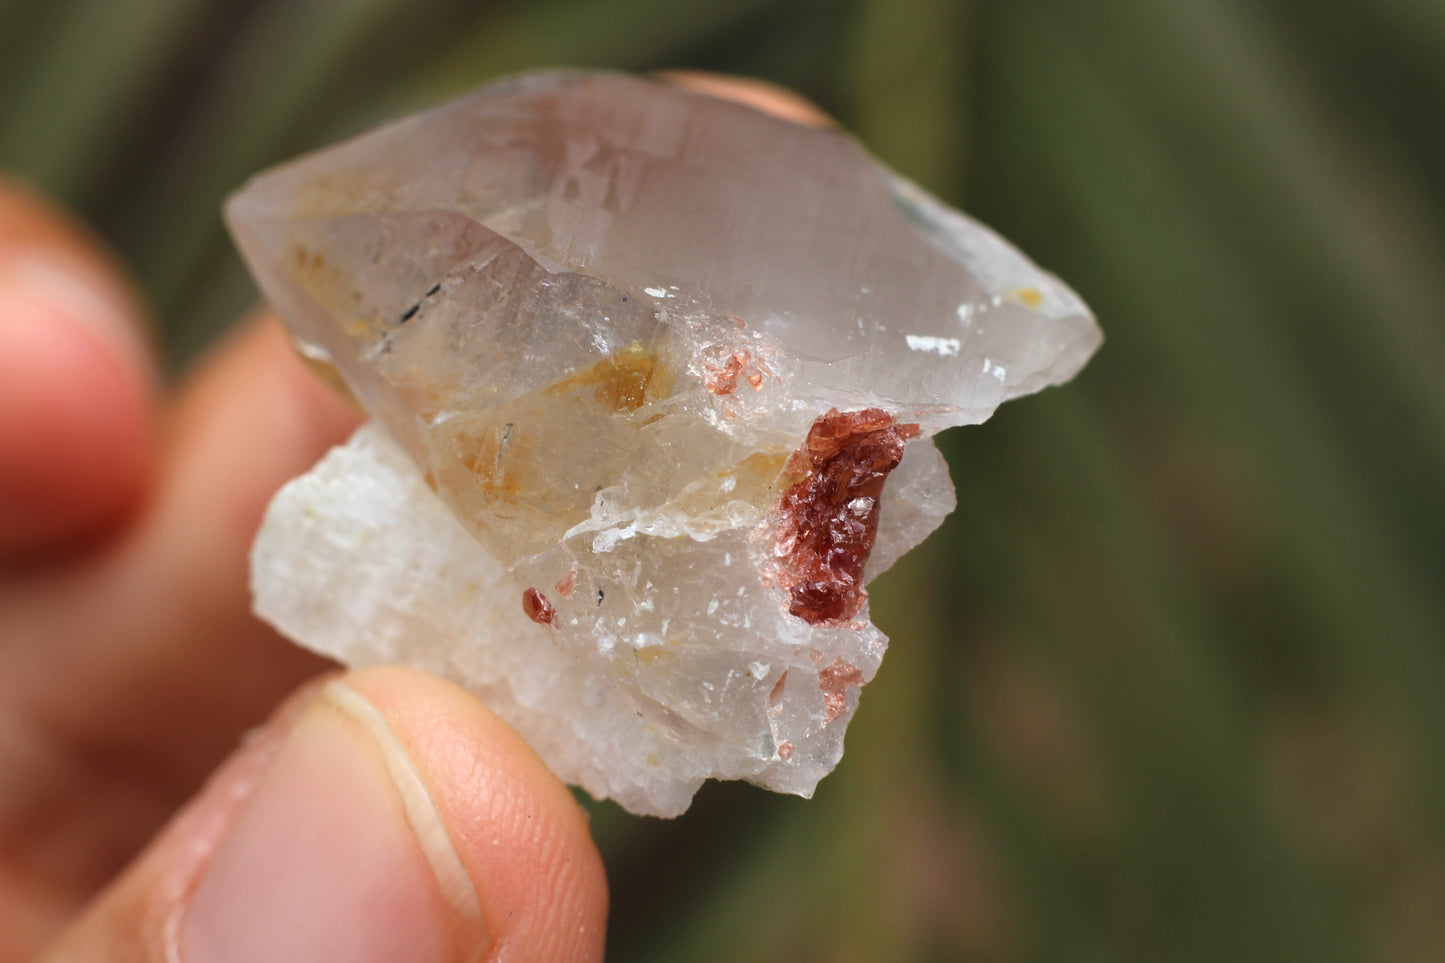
[653, 377]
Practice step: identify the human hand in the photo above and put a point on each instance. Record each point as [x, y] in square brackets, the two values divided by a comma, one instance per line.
[377, 815]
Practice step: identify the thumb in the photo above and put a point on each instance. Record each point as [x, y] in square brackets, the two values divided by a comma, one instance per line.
[381, 816]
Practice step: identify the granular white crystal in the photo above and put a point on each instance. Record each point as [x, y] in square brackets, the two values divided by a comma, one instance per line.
[650, 373]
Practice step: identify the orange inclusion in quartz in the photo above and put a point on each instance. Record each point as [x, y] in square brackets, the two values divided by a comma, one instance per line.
[538, 609]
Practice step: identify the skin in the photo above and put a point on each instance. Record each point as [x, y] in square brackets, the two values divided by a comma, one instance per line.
[130, 667]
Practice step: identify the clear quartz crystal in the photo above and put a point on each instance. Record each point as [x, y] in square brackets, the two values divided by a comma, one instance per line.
[653, 376]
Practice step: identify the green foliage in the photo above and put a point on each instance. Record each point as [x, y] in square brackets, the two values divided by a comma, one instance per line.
[1167, 686]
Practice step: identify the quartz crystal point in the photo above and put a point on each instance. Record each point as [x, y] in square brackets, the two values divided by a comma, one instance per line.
[653, 378]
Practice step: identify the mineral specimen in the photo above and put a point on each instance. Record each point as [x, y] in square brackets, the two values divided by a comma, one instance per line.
[653, 378]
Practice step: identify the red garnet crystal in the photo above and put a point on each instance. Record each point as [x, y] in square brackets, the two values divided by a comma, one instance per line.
[827, 521]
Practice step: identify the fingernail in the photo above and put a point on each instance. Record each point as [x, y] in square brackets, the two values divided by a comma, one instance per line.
[78, 294]
[340, 855]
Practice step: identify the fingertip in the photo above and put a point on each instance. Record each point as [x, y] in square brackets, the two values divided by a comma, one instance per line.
[318, 391]
[525, 841]
[78, 401]
[257, 370]
[250, 417]
[763, 95]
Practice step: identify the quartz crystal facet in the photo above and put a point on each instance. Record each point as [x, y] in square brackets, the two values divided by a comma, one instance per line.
[653, 377]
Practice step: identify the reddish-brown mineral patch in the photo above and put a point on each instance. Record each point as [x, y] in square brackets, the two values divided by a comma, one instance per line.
[538, 609]
[835, 681]
[724, 368]
[721, 377]
[826, 521]
[567, 583]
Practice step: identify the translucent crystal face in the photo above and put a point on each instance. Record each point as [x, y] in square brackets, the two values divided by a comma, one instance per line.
[672, 364]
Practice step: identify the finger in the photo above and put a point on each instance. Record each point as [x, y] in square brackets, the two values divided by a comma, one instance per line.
[125, 680]
[758, 94]
[168, 612]
[390, 816]
[77, 386]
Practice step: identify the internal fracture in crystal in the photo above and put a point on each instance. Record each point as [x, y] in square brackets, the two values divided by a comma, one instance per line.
[653, 378]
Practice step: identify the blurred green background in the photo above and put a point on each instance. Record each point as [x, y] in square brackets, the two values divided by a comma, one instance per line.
[1170, 685]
